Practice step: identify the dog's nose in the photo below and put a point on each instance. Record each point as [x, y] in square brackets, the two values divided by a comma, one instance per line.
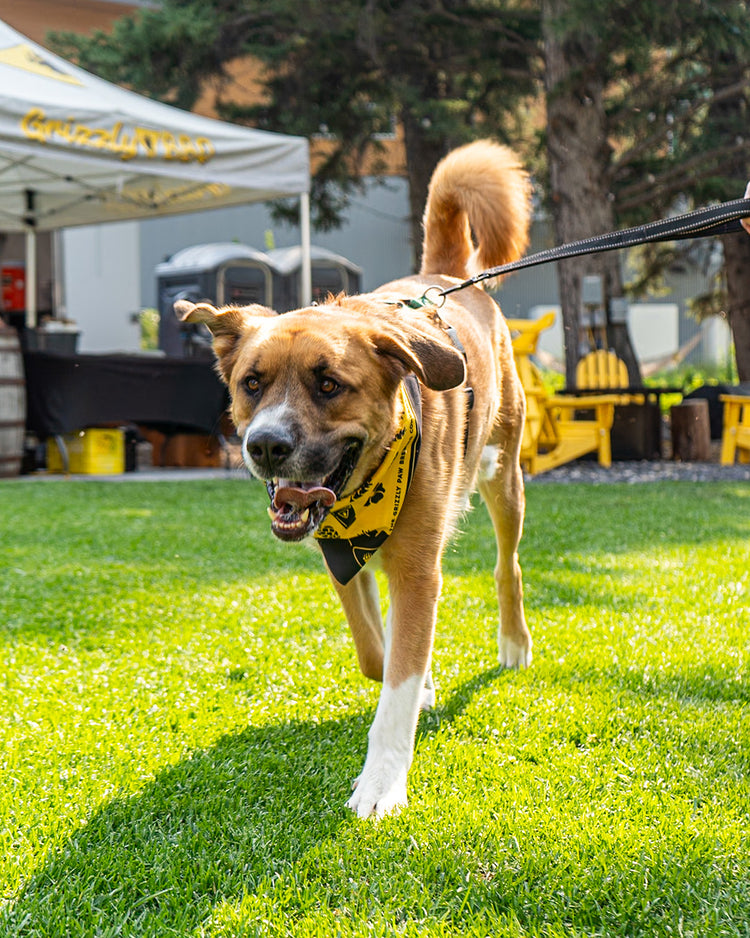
[268, 448]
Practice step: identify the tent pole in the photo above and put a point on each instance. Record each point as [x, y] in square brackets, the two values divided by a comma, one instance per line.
[31, 278]
[306, 269]
[58, 269]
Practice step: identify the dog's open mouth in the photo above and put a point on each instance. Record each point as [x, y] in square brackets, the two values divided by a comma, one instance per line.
[297, 508]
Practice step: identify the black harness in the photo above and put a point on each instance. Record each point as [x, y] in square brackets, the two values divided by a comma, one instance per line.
[419, 303]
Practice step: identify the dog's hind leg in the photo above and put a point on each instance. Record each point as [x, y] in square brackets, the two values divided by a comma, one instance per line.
[361, 603]
[502, 492]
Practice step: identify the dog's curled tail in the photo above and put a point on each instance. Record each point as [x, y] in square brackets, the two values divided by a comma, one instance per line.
[478, 211]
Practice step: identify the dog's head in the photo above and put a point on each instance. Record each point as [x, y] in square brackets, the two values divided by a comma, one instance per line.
[314, 393]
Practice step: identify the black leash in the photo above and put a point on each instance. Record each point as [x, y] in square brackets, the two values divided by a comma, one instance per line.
[714, 220]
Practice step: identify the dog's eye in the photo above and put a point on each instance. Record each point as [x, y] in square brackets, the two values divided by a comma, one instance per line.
[252, 384]
[328, 386]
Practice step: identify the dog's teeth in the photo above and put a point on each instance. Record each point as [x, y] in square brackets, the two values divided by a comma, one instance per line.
[304, 515]
[271, 513]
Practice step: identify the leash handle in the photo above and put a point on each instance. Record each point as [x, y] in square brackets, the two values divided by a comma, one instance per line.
[715, 219]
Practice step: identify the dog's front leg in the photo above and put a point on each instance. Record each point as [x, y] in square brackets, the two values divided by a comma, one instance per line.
[381, 788]
[361, 603]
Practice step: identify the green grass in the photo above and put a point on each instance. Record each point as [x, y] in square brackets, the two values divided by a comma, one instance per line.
[181, 716]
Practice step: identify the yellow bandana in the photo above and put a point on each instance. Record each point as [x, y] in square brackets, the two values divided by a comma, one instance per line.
[359, 523]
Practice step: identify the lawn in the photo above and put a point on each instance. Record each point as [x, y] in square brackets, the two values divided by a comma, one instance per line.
[181, 717]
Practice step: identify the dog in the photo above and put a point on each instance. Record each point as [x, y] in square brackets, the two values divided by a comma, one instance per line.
[371, 418]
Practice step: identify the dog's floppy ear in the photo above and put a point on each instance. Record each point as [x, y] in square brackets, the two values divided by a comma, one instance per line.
[438, 364]
[225, 325]
[228, 321]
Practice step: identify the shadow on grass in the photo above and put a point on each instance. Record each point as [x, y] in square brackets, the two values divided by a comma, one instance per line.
[240, 817]
[218, 825]
[224, 822]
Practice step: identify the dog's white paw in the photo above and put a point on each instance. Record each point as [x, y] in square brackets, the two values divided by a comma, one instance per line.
[511, 654]
[380, 790]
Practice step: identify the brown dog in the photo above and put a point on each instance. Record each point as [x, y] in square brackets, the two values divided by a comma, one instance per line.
[360, 453]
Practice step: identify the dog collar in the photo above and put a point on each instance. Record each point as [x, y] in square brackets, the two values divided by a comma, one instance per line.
[358, 524]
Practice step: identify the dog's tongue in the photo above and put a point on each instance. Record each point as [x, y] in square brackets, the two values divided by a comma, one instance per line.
[300, 496]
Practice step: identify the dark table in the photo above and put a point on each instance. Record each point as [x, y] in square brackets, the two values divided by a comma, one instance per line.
[637, 428]
[66, 393]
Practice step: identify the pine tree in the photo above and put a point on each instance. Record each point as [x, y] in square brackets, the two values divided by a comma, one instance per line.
[646, 103]
[639, 98]
[443, 71]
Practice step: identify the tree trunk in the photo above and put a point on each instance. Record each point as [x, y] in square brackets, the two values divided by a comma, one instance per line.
[423, 153]
[579, 158]
[737, 270]
[728, 118]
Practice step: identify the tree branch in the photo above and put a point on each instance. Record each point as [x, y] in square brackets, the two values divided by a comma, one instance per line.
[631, 155]
[677, 179]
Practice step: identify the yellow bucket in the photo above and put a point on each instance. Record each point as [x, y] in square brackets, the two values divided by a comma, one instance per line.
[95, 451]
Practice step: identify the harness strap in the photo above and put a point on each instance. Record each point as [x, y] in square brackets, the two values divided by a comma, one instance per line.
[426, 300]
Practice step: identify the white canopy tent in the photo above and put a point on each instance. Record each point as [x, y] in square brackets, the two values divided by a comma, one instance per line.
[77, 150]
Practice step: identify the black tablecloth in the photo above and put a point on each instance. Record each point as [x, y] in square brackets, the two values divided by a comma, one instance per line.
[65, 393]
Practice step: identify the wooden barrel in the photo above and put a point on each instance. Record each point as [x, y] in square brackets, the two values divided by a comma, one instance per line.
[12, 402]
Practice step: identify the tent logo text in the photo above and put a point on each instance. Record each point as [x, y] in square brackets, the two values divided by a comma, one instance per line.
[141, 141]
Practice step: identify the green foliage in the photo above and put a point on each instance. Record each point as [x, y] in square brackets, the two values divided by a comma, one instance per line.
[340, 69]
[149, 322]
[351, 73]
[451, 71]
[689, 377]
[663, 65]
[165, 52]
[181, 716]
[670, 80]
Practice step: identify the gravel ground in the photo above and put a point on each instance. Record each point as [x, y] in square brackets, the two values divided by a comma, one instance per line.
[587, 471]
[636, 472]
[584, 470]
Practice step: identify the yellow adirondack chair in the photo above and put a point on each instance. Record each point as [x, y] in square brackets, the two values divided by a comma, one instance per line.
[735, 437]
[555, 432]
[601, 369]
